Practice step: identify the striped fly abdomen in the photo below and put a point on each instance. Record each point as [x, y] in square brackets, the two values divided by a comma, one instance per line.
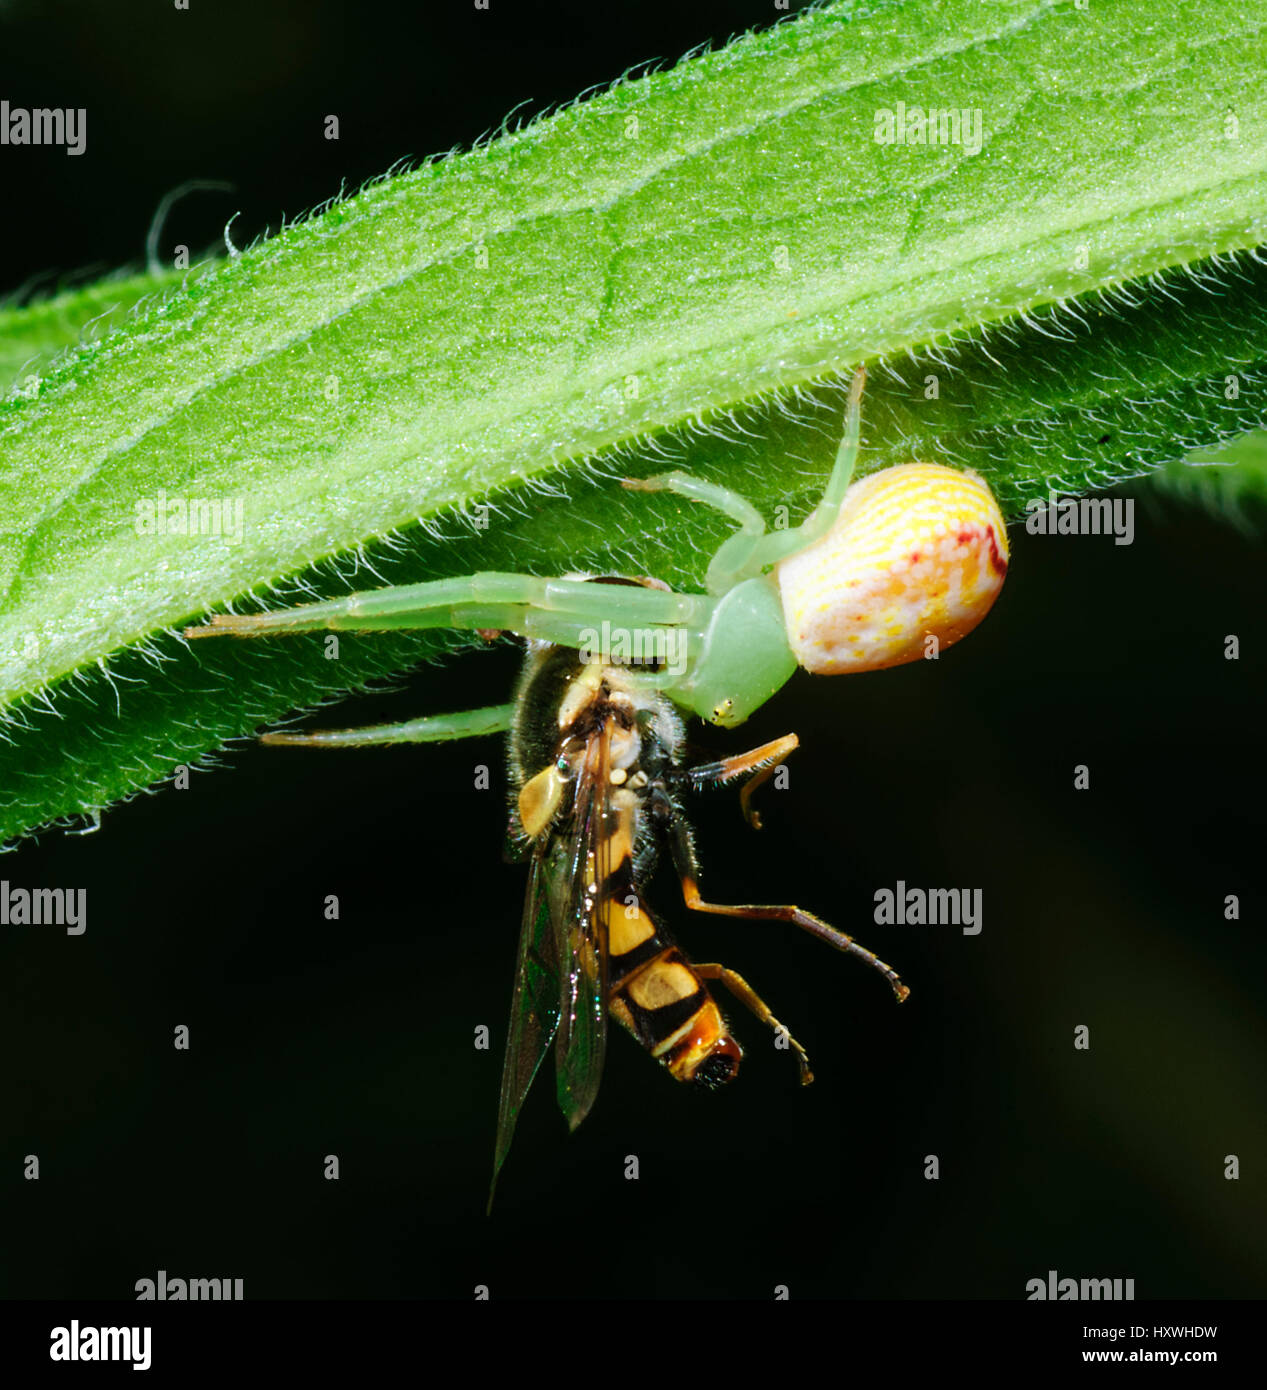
[656, 994]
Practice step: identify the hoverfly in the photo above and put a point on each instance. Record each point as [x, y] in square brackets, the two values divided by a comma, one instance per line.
[598, 783]
[910, 555]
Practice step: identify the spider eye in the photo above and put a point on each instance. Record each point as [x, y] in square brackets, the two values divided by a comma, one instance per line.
[916, 558]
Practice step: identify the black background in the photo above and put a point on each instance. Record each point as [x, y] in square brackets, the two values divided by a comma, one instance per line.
[1101, 907]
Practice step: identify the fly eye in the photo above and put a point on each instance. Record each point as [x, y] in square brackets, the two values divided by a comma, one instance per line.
[915, 560]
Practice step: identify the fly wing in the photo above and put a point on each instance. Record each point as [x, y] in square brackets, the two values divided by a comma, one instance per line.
[534, 1007]
[581, 1042]
[561, 973]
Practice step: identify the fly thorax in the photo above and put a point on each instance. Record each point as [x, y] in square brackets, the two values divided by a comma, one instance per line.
[581, 694]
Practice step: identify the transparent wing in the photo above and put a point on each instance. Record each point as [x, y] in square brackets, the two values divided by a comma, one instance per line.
[534, 1006]
[580, 1044]
[560, 991]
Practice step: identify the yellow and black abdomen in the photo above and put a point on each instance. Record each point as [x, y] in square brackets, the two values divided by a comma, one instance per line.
[655, 993]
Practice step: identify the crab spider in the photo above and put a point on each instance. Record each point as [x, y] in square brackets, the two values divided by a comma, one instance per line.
[881, 569]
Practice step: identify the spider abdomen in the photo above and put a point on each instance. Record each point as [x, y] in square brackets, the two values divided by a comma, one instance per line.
[918, 552]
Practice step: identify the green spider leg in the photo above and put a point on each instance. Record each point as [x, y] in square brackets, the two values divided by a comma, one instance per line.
[432, 728]
[572, 612]
[731, 561]
[721, 655]
[753, 549]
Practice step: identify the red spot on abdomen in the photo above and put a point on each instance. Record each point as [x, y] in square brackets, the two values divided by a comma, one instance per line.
[997, 563]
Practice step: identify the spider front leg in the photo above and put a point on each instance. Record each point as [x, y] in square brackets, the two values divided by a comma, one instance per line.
[731, 561]
[752, 550]
[780, 544]
[572, 612]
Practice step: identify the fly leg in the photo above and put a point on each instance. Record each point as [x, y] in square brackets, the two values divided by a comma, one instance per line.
[749, 997]
[687, 865]
[432, 728]
[799, 918]
[758, 763]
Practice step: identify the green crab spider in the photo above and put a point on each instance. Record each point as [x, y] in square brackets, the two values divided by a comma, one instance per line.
[910, 555]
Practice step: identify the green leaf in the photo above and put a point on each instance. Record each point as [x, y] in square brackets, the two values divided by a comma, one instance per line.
[31, 338]
[1229, 481]
[574, 300]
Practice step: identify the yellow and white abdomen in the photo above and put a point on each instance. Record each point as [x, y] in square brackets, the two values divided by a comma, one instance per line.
[918, 551]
